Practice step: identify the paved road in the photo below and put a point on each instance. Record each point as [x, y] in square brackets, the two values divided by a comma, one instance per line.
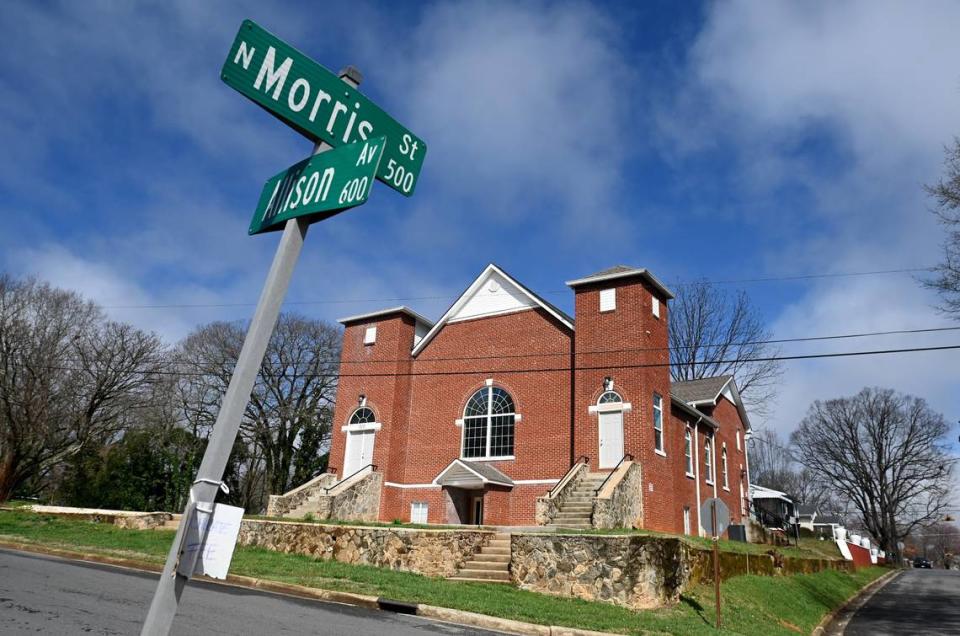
[916, 602]
[52, 596]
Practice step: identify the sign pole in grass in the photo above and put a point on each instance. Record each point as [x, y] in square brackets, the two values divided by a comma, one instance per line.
[718, 518]
[351, 136]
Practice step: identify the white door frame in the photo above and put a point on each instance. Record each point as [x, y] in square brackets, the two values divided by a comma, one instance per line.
[353, 437]
[600, 459]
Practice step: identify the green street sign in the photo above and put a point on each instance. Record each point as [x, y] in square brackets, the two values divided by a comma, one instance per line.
[320, 186]
[314, 101]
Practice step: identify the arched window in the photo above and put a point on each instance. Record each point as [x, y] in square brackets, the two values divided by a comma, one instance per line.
[488, 423]
[708, 461]
[723, 465]
[363, 415]
[688, 451]
[610, 397]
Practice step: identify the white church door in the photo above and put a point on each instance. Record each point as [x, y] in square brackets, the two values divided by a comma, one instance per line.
[611, 438]
[359, 451]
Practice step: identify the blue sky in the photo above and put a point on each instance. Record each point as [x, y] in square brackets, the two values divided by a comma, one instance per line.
[725, 140]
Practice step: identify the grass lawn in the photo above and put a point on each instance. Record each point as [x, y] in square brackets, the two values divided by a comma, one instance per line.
[753, 604]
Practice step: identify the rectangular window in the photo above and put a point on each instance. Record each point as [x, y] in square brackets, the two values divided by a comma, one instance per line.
[708, 461]
[418, 512]
[656, 307]
[686, 520]
[474, 437]
[723, 464]
[608, 299]
[738, 440]
[658, 423]
[370, 335]
[688, 451]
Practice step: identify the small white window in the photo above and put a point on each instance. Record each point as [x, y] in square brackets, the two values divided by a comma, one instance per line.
[608, 299]
[708, 461]
[370, 335]
[656, 307]
[738, 440]
[658, 424]
[418, 512]
[723, 464]
[688, 451]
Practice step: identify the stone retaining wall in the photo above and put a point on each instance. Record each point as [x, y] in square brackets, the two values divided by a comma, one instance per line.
[620, 503]
[633, 571]
[430, 552]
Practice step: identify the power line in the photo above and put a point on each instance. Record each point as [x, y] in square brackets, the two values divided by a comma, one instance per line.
[677, 283]
[511, 356]
[812, 356]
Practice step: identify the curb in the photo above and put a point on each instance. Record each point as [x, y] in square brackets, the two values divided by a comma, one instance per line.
[443, 614]
[836, 620]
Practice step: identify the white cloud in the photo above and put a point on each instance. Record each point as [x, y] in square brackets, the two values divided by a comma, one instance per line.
[875, 85]
[519, 103]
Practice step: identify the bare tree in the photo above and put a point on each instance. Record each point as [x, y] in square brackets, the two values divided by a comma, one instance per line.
[68, 378]
[286, 427]
[946, 194]
[882, 451]
[774, 465]
[715, 332]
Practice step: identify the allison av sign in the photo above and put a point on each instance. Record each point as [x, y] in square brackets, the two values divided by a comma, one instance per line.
[314, 101]
[320, 186]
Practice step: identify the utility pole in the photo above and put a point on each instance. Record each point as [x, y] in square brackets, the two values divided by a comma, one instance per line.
[166, 599]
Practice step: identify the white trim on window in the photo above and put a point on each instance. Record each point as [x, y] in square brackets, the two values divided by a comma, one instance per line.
[688, 453]
[655, 307]
[708, 461]
[370, 335]
[366, 426]
[723, 463]
[626, 407]
[738, 441]
[659, 443]
[419, 511]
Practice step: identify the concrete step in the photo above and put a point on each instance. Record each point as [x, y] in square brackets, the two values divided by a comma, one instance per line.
[492, 566]
[504, 550]
[498, 543]
[501, 536]
[485, 575]
[576, 507]
[492, 558]
[572, 526]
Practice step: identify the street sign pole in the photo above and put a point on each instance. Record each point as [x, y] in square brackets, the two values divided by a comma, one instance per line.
[166, 599]
[716, 560]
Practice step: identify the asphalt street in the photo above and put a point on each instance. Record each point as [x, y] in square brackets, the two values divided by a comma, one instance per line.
[40, 595]
[916, 602]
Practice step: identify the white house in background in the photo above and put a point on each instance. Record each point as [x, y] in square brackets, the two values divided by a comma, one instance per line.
[771, 508]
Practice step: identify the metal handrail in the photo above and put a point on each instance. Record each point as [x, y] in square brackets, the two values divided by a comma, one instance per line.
[622, 459]
[372, 467]
[583, 459]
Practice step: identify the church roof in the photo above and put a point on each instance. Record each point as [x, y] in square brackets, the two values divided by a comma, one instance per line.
[622, 271]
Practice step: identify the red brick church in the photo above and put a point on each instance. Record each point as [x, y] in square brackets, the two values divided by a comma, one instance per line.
[474, 418]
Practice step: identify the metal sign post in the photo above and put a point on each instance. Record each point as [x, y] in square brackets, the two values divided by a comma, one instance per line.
[163, 608]
[717, 517]
[716, 563]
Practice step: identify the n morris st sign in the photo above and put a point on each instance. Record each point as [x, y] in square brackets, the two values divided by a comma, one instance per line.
[314, 101]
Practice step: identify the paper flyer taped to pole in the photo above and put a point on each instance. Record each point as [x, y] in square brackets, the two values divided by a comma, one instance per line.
[210, 541]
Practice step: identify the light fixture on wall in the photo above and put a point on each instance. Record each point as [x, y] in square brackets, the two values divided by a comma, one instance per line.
[362, 400]
[608, 383]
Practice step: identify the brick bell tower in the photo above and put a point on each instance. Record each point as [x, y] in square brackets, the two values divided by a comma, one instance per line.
[621, 365]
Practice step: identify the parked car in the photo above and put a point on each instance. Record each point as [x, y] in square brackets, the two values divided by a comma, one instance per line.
[920, 562]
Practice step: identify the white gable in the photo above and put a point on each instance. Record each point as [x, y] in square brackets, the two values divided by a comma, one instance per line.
[492, 294]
